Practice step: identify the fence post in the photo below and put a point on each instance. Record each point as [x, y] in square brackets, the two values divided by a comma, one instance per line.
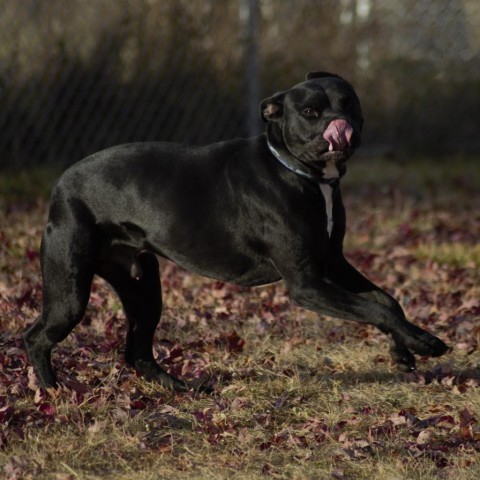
[249, 18]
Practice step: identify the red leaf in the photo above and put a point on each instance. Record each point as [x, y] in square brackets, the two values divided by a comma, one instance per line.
[47, 409]
[32, 254]
[138, 405]
[75, 386]
[174, 354]
[231, 341]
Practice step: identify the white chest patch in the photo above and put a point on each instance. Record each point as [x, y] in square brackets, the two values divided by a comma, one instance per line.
[327, 191]
[330, 171]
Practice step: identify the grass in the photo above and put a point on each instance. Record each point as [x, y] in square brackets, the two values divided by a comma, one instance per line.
[304, 398]
[450, 253]
[271, 408]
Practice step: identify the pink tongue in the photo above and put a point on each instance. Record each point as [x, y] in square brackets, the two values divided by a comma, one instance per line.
[338, 134]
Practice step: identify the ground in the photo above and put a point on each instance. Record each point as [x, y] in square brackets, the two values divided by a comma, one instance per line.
[295, 395]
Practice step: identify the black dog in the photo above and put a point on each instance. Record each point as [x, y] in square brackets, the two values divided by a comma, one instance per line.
[246, 211]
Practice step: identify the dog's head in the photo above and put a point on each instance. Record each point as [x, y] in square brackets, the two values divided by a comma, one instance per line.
[319, 121]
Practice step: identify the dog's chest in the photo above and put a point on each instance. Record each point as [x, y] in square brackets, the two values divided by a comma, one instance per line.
[329, 172]
[327, 192]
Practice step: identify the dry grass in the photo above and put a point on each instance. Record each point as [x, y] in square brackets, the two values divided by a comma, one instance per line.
[269, 423]
[306, 398]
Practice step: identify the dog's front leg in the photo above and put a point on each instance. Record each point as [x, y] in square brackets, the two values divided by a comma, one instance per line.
[344, 275]
[309, 288]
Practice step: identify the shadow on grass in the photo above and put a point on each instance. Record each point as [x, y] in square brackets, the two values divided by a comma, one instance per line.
[445, 374]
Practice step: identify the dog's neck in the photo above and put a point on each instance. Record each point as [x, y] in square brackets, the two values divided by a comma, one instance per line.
[327, 182]
[330, 175]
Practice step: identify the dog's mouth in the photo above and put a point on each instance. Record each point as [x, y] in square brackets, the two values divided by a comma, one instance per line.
[335, 145]
[335, 156]
[338, 134]
[328, 154]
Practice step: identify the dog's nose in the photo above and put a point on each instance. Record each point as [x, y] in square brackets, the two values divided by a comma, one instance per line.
[338, 134]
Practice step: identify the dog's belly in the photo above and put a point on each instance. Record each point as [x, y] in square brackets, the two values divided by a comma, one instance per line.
[244, 267]
[236, 268]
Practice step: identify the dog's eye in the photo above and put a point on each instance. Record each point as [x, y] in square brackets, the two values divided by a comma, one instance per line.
[310, 113]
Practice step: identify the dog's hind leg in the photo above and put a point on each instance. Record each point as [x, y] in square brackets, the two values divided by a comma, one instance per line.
[136, 280]
[67, 270]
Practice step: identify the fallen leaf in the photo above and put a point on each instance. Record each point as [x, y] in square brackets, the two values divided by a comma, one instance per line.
[424, 437]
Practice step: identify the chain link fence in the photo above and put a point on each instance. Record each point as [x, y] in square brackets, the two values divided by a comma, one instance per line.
[80, 75]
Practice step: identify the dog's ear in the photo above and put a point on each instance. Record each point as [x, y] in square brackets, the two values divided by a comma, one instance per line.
[312, 75]
[271, 109]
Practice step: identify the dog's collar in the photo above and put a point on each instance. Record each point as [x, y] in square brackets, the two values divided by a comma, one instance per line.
[314, 178]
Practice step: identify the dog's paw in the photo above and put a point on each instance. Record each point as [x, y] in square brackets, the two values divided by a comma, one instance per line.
[154, 373]
[201, 385]
[424, 344]
[402, 357]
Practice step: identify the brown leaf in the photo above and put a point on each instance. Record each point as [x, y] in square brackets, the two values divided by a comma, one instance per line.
[15, 468]
[159, 441]
[424, 437]
[269, 470]
[32, 380]
[120, 415]
[338, 474]
[467, 420]
[96, 427]
[64, 476]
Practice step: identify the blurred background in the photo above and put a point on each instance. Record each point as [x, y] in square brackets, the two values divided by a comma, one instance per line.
[80, 75]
